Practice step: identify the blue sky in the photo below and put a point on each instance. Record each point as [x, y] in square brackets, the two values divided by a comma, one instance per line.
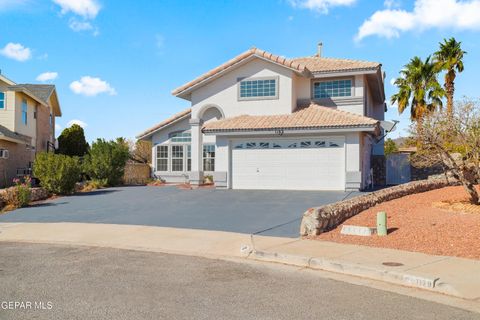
[116, 62]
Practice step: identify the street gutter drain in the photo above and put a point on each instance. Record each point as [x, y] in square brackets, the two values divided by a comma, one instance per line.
[392, 264]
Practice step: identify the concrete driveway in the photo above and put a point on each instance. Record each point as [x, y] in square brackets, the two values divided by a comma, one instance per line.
[244, 211]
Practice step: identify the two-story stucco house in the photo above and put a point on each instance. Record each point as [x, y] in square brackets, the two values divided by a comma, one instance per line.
[261, 121]
[27, 125]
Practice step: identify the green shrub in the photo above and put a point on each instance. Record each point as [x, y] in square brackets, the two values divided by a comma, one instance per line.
[72, 142]
[106, 161]
[94, 184]
[57, 173]
[19, 195]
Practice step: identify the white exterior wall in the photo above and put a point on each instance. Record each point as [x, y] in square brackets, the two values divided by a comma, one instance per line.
[304, 92]
[353, 160]
[223, 92]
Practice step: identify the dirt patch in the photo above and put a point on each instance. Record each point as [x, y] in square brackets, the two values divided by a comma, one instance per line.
[417, 223]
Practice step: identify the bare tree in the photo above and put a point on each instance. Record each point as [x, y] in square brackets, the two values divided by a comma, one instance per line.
[454, 142]
[140, 151]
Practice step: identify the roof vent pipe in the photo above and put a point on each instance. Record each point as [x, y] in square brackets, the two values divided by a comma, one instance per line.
[319, 49]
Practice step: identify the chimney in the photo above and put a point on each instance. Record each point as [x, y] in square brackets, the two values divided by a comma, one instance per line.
[319, 49]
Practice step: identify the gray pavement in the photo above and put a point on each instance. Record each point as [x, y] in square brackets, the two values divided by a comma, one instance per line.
[98, 283]
[244, 211]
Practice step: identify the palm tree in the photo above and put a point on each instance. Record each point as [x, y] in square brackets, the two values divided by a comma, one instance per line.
[418, 89]
[450, 59]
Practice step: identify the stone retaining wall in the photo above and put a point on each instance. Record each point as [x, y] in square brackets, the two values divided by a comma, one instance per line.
[35, 195]
[320, 219]
[38, 194]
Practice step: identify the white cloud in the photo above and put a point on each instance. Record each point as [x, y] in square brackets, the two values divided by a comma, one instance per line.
[76, 121]
[76, 25]
[391, 4]
[90, 86]
[321, 6]
[58, 127]
[16, 51]
[426, 14]
[47, 76]
[392, 81]
[88, 9]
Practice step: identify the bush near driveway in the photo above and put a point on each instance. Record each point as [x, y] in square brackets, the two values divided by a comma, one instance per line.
[19, 195]
[106, 161]
[57, 173]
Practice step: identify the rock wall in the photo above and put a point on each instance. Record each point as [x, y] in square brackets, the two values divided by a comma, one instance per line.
[320, 219]
[35, 195]
[38, 194]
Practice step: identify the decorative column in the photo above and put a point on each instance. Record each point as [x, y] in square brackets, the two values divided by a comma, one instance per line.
[196, 173]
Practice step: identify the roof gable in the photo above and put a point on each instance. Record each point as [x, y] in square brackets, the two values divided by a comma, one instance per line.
[243, 57]
[43, 93]
[176, 117]
[304, 65]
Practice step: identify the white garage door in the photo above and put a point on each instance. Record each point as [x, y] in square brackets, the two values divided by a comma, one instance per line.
[303, 164]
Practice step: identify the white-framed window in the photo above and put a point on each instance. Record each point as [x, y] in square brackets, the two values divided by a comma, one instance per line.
[24, 111]
[162, 158]
[189, 158]
[209, 157]
[258, 88]
[332, 89]
[2, 100]
[180, 136]
[177, 158]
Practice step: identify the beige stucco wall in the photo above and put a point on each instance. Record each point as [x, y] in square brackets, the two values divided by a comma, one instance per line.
[223, 91]
[7, 115]
[30, 129]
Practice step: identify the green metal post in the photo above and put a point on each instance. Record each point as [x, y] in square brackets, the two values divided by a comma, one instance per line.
[381, 223]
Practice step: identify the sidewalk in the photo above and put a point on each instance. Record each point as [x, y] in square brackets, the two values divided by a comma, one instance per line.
[447, 275]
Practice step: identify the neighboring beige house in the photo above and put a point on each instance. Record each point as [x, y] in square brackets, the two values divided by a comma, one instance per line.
[27, 126]
[261, 121]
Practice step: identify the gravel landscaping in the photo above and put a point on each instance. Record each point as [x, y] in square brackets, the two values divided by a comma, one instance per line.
[424, 222]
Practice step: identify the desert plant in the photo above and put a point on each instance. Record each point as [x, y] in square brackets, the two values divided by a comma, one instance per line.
[453, 140]
[71, 142]
[390, 147]
[19, 195]
[57, 173]
[418, 88]
[106, 161]
[449, 58]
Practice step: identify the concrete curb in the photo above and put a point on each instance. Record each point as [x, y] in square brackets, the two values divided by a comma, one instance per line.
[431, 283]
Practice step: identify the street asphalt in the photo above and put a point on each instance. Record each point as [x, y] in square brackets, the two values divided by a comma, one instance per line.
[69, 282]
[244, 211]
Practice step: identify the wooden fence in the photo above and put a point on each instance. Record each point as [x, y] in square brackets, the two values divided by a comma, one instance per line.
[136, 173]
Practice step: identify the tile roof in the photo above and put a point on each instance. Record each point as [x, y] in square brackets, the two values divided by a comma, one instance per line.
[312, 64]
[311, 117]
[298, 67]
[318, 64]
[164, 123]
